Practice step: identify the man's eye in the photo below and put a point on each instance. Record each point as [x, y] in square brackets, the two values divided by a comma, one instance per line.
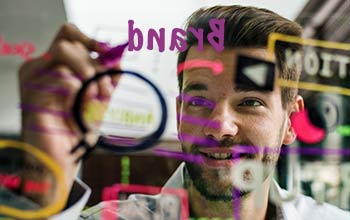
[252, 103]
[200, 102]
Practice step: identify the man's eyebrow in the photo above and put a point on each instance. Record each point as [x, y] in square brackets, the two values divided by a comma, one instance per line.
[195, 87]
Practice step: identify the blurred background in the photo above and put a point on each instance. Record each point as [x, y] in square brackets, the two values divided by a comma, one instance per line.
[33, 23]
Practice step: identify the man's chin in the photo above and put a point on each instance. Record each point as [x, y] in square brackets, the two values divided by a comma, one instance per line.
[224, 198]
[234, 195]
[214, 184]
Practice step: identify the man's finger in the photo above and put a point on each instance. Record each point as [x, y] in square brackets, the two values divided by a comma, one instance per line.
[71, 33]
[75, 56]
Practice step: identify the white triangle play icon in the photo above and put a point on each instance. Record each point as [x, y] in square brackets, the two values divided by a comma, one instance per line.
[256, 73]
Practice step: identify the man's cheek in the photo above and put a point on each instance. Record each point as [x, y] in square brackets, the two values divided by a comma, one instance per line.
[188, 127]
[187, 137]
[186, 148]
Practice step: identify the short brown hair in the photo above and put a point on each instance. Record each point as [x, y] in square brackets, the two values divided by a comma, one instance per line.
[246, 27]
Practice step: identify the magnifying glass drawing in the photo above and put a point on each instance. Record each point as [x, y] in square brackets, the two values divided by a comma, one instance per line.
[133, 119]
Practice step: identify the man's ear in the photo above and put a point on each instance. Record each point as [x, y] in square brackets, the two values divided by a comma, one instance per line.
[297, 106]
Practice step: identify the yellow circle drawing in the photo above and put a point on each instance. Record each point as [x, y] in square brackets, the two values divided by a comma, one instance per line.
[49, 210]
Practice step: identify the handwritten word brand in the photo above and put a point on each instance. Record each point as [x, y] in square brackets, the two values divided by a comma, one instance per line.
[23, 49]
[215, 38]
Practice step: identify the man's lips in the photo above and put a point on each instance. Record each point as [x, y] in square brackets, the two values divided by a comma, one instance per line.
[218, 156]
[217, 153]
[224, 153]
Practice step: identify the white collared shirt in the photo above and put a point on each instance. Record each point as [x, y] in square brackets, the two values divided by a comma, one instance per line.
[145, 207]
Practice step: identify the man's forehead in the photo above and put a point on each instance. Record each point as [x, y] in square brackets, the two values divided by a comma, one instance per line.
[227, 59]
[228, 55]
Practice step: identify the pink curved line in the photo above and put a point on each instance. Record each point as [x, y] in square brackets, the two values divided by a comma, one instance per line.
[305, 130]
[216, 66]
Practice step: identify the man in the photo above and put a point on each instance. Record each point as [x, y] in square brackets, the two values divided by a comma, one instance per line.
[243, 117]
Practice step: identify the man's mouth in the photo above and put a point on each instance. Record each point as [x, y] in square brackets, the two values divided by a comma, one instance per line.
[231, 154]
[218, 156]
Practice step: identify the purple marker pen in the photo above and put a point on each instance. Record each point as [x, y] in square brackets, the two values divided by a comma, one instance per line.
[112, 56]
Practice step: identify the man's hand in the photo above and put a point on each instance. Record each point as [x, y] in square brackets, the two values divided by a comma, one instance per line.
[48, 86]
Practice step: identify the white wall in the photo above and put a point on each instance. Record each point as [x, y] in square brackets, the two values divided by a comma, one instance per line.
[35, 21]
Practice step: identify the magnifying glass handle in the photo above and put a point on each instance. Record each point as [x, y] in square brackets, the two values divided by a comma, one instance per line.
[86, 146]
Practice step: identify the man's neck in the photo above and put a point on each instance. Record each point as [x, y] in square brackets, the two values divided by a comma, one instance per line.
[252, 206]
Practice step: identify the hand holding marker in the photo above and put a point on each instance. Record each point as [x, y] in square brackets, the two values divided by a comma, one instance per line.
[135, 93]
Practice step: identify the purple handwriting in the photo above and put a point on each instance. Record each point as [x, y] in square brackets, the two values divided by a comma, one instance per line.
[253, 150]
[179, 155]
[51, 131]
[203, 141]
[217, 27]
[38, 109]
[58, 74]
[198, 121]
[236, 207]
[188, 98]
[125, 141]
[46, 88]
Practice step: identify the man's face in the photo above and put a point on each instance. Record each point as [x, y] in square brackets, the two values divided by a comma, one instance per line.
[233, 117]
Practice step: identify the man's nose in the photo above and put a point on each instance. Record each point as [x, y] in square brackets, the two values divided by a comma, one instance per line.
[222, 123]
